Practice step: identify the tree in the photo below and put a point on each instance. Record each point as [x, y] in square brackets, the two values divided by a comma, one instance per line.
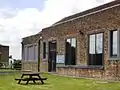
[10, 56]
[17, 64]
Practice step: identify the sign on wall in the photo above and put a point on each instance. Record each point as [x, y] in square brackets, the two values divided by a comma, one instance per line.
[60, 59]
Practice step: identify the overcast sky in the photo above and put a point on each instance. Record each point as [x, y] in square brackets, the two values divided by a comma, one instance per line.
[21, 18]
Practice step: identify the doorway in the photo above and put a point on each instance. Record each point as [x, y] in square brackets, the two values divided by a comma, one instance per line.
[52, 56]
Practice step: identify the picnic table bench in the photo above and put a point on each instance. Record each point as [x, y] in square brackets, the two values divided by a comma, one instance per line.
[31, 76]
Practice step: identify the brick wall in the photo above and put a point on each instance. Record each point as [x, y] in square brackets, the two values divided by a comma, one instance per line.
[103, 21]
[30, 65]
[99, 22]
[4, 57]
[44, 66]
[81, 72]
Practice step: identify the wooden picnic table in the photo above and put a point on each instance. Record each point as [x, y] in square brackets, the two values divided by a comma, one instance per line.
[31, 76]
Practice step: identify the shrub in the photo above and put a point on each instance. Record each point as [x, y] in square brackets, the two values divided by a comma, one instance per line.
[17, 64]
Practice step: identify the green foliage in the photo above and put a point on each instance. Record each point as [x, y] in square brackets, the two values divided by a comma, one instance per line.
[10, 56]
[17, 64]
[1, 64]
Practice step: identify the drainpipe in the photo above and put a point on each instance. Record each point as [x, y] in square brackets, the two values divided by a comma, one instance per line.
[39, 56]
[22, 56]
[39, 53]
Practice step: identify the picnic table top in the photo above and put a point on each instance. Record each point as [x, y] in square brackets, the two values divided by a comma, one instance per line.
[30, 73]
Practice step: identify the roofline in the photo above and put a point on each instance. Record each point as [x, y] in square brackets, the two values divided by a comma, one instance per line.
[30, 36]
[84, 15]
[87, 14]
[4, 45]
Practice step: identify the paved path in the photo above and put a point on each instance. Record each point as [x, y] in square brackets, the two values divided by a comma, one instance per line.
[8, 72]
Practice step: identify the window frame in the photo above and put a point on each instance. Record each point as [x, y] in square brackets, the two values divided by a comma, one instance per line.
[27, 52]
[110, 56]
[44, 50]
[88, 41]
[70, 49]
[35, 52]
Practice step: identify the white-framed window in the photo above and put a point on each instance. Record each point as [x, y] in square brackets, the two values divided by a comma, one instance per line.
[44, 50]
[31, 52]
[95, 52]
[114, 44]
[35, 52]
[70, 51]
[25, 53]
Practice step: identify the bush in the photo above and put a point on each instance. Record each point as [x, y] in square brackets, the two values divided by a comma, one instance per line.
[2, 65]
[17, 64]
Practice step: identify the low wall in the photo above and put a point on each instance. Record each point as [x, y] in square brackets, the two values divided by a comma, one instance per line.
[30, 65]
[89, 72]
[43, 66]
[110, 72]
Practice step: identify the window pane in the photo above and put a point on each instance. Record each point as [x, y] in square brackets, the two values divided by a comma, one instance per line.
[68, 52]
[68, 40]
[99, 43]
[35, 52]
[92, 44]
[31, 53]
[44, 50]
[114, 43]
[25, 53]
[73, 42]
[70, 56]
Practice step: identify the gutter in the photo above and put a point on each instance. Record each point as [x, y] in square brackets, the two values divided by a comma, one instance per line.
[85, 15]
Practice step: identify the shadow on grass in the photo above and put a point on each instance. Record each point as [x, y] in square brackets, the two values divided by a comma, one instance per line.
[34, 84]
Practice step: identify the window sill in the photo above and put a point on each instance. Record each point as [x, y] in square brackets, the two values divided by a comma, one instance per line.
[81, 67]
[113, 58]
[27, 61]
[43, 60]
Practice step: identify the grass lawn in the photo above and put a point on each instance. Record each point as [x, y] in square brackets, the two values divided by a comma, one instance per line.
[5, 70]
[7, 82]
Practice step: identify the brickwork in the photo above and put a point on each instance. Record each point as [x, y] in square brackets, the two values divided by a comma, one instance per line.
[99, 22]
[102, 21]
[44, 66]
[81, 72]
[4, 54]
[30, 65]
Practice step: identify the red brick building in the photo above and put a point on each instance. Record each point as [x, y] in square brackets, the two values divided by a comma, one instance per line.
[86, 44]
[30, 52]
[4, 54]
